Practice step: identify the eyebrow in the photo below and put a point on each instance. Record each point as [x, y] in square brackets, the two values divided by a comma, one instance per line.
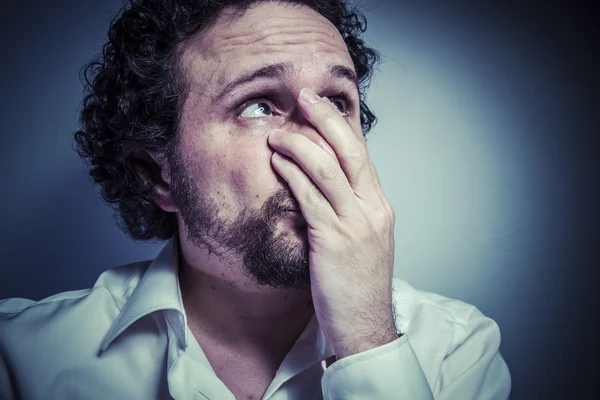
[275, 71]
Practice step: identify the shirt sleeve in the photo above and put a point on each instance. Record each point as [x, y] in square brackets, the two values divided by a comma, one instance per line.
[473, 369]
[385, 372]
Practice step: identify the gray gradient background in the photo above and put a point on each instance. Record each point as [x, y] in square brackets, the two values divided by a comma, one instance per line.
[485, 146]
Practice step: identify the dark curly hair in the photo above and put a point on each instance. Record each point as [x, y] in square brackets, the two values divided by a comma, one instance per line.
[134, 91]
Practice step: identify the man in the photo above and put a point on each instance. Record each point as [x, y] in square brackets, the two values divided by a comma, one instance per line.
[235, 130]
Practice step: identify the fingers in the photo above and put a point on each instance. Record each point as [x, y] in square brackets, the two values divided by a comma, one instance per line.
[340, 179]
[315, 208]
[351, 151]
[313, 173]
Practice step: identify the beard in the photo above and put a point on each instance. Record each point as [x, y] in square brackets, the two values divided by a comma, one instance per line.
[252, 237]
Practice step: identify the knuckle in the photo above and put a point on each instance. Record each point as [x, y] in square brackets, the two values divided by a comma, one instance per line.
[382, 217]
[356, 155]
[392, 216]
[313, 196]
[327, 171]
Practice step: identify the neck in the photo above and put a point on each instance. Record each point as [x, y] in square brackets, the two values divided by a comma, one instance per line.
[226, 308]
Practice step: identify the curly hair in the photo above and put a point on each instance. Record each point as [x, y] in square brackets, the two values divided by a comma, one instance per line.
[134, 91]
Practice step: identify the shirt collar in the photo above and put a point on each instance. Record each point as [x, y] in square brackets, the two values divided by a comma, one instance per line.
[157, 290]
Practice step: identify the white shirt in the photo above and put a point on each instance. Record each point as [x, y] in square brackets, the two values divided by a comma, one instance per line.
[127, 338]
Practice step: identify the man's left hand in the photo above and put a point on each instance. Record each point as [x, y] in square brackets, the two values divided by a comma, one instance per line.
[350, 228]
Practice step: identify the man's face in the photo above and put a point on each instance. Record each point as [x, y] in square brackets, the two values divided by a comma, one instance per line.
[231, 201]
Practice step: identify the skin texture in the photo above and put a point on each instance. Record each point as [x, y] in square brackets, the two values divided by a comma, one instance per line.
[251, 274]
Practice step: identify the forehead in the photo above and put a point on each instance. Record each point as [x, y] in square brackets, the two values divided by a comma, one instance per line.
[265, 34]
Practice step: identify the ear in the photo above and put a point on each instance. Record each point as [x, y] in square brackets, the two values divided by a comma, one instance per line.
[155, 170]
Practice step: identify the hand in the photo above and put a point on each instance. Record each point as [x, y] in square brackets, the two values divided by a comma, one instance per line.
[350, 228]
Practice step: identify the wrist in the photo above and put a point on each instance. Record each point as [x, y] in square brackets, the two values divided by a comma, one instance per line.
[364, 343]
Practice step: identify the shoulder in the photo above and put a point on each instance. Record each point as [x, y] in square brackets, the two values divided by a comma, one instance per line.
[107, 296]
[51, 347]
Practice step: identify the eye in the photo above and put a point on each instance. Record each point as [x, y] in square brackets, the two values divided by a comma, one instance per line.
[341, 105]
[257, 109]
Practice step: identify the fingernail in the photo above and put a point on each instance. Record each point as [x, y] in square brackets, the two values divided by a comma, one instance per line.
[309, 96]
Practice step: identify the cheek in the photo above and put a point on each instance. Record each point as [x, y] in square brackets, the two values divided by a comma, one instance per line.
[252, 176]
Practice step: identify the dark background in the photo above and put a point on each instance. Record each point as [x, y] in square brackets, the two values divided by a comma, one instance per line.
[486, 146]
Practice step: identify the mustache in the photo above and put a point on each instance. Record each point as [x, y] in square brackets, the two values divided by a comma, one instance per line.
[279, 202]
